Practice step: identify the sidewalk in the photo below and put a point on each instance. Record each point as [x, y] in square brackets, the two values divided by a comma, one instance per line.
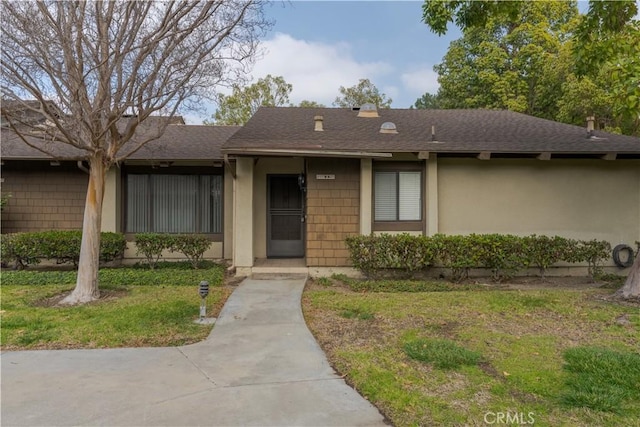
[259, 366]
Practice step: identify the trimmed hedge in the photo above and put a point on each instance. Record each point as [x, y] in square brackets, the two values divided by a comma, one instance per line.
[402, 252]
[23, 249]
[503, 254]
[151, 245]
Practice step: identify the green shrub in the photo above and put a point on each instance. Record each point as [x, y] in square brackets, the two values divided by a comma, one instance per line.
[112, 246]
[63, 246]
[457, 254]
[19, 249]
[443, 354]
[544, 251]
[151, 246]
[503, 254]
[593, 252]
[374, 255]
[176, 265]
[4, 200]
[601, 379]
[192, 246]
[362, 253]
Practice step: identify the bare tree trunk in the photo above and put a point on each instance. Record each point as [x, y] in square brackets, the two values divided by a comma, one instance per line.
[86, 289]
[631, 288]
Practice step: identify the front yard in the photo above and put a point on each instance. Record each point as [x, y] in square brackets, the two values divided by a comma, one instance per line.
[138, 307]
[562, 356]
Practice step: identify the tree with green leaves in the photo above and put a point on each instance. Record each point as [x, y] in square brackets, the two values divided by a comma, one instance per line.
[598, 50]
[310, 104]
[362, 93]
[607, 50]
[605, 45]
[237, 108]
[427, 101]
[509, 64]
[97, 71]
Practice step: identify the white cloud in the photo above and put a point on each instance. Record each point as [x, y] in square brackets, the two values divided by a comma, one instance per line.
[316, 70]
[391, 91]
[420, 80]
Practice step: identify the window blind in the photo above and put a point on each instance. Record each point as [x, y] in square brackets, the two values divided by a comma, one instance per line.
[386, 198]
[174, 203]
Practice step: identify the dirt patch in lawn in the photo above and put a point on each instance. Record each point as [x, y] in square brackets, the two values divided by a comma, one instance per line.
[105, 296]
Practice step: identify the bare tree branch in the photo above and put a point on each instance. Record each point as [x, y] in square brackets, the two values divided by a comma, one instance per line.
[95, 72]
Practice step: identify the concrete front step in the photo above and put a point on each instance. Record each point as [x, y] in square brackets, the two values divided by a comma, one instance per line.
[277, 275]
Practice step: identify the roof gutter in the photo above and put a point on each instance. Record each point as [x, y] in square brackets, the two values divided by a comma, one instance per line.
[303, 153]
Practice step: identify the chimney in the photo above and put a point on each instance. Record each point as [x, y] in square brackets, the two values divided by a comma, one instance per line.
[318, 120]
[591, 124]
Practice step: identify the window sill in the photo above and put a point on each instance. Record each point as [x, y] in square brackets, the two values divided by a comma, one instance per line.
[217, 237]
[398, 226]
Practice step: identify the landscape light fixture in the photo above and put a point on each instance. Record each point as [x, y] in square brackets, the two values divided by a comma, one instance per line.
[203, 289]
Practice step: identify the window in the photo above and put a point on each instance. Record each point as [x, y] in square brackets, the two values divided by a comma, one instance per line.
[398, 196]
[174, 203]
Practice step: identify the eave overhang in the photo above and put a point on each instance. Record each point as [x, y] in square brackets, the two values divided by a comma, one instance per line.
[286, 152]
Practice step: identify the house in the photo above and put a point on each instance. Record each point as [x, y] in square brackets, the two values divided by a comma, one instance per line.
[423, 172]
[293, 183]
[173, 184]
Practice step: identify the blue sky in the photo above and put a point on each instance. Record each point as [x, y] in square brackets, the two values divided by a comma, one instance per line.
[381, 40]
[318, 46]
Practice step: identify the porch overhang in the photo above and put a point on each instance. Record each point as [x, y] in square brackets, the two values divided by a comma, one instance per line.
[286, 152]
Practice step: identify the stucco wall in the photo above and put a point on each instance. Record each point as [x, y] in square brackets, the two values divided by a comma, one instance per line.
[43, 197]
[333, 210]
[111, 206]
[582, 199]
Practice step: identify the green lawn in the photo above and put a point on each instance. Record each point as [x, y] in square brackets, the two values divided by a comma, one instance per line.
[137, 308]
[463, 357]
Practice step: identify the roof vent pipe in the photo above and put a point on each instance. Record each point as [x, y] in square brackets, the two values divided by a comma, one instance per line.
[591, 124]
[433, 132]
[318, 120]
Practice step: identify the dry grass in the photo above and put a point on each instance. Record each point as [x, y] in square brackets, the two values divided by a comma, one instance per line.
[521, 335]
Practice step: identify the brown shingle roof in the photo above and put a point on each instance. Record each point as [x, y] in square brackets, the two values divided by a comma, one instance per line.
[179, 142]
[187, 142]
[457, 131]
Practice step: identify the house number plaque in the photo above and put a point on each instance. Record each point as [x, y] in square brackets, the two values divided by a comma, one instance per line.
[325, 177]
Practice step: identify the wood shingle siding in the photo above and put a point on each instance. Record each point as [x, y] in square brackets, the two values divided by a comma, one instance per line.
[43, 198]
[333, 209]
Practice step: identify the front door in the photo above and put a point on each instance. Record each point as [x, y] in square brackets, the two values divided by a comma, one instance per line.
[285, 217]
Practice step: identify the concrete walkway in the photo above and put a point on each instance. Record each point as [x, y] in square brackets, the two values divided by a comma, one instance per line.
[260, 366]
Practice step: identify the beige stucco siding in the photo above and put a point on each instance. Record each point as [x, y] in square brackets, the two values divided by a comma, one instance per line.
[228, 212]
[582, 199]
[111, 206]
